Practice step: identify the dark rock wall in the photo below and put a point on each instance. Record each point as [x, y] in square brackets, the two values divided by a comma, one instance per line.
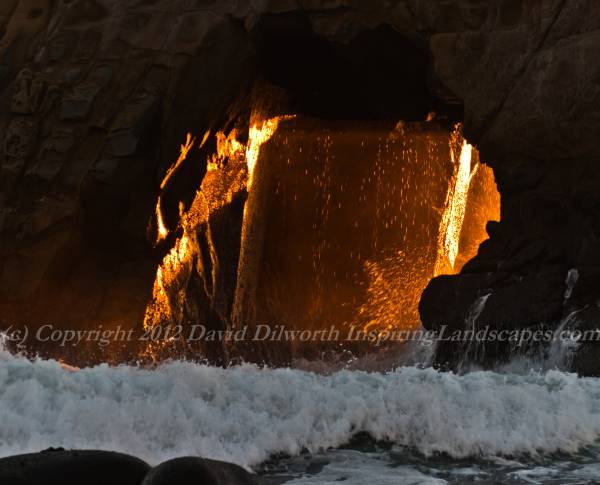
[96, 98]
[97, 95]
[530, 86]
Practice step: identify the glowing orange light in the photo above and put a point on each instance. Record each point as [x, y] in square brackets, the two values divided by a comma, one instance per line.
[227, 147]
[162, 230]
[394, 282]
[167, 272]
[260, 133]
[183, 153]
[454, 214]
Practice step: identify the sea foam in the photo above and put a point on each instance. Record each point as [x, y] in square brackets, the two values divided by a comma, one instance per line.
[245, 414]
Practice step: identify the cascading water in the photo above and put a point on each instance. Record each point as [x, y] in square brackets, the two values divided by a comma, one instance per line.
[400, 237]
[470, 201]
[454, 213]
[562, 349]
[261, 131]
[470, 324]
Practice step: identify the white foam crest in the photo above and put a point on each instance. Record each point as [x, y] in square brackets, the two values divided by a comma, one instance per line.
[245, 414]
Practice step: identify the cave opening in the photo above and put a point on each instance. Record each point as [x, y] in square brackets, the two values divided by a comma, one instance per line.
[338, 188]
[318, 180]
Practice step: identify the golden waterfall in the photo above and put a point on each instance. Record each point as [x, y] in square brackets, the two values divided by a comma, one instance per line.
[397, 281]
[261, 131]
[454, 213]
[414, 173]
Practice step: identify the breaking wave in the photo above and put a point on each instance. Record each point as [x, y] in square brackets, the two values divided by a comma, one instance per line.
[245, 414]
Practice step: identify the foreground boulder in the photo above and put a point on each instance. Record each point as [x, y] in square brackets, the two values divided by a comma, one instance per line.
[62, 467]
[198, 471]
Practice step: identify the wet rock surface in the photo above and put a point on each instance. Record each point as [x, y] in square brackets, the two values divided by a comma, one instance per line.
[528, 107]
[58, 466]
[192, 470]
[65, 467]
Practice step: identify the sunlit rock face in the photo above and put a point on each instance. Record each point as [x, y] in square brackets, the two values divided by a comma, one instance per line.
[196, 279]
[96, 98]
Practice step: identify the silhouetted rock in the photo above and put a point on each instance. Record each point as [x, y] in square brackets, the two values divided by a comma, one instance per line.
[198, 471]
[62, 467]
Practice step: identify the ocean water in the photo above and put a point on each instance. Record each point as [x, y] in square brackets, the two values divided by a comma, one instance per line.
[410, 425]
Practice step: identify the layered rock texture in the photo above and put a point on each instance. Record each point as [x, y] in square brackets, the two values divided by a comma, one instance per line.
[97, 95]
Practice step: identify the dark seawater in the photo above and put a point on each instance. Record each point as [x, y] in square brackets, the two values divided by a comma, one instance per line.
[364, 461]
